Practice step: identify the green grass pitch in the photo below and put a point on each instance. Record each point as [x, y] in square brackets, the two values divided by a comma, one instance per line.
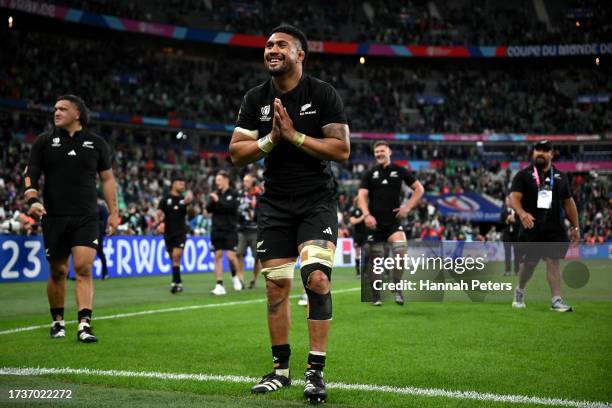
[456, 345]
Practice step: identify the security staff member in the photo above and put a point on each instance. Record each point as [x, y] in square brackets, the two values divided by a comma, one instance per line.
[298, 124]
[359, 231]
[379, 200]
[223, 205]
[539, 193]
[247, 226]
[171, 213]
[510, 228]
[70, 157]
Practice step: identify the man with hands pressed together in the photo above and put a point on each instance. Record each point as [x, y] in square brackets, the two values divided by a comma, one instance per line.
[305, 127]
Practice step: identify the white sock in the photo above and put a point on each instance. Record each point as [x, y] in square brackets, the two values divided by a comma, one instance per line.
[282, 371]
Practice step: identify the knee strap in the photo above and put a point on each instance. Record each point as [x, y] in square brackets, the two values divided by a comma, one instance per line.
[279, 272]
[319, 306]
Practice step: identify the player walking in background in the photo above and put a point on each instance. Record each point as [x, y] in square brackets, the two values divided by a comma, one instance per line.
[379, 199]
[539, 193]
[223, 206]
[359, 231]
[297, 123]
[70, 157]
[171, 212]
[247, 227]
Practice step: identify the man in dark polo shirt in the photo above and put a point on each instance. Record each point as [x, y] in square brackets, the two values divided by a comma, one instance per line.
[379, 200]
[171, 213]
[297, 123]
[223, 206]
[539, 193]
[70, 157]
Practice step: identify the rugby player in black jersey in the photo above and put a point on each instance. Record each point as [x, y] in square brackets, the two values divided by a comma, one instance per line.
[71, 158]
[297, 123]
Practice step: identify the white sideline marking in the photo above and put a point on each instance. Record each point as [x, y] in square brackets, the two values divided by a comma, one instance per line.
[426, 392]
[168, 310]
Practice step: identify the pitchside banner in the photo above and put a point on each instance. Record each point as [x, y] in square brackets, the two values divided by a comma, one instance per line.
[467, 206]
[22, 258]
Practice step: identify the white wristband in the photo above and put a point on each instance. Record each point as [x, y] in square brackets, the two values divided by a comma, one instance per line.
[265, 144]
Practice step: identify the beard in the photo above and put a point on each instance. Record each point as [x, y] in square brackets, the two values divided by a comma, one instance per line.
[541, 162]
[282, 70]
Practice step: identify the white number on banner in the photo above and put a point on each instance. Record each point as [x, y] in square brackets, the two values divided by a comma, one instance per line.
[6, 271]
[202, 266]
[34, 247]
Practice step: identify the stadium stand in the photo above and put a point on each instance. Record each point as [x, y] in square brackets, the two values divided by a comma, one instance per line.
[138, 77]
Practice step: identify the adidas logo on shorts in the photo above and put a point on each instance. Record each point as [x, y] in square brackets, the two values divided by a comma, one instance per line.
[328, 231]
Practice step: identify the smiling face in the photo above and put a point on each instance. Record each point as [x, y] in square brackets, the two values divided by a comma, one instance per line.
[283, 53]
[66, 114]
[382, 154]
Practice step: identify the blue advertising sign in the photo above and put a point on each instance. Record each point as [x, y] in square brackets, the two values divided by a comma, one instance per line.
[22, 259]
[467, 206]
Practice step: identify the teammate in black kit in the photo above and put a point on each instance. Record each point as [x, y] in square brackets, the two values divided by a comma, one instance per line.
[359, 231]
[379, 199]
[224, 235]
[298, 124]
[70, 157]
[171, 213]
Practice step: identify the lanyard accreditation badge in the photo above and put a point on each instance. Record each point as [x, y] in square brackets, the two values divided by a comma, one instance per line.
[544, 194]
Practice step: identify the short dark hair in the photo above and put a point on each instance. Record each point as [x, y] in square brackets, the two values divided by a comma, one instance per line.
[177, 176]
[223, 173]
[295, 33]
[381, 143]
[80, 105]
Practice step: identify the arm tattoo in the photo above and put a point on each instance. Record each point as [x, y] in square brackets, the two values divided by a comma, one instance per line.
[338, 131]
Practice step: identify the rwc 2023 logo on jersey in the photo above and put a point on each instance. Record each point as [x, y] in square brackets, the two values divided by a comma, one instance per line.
[265, 111]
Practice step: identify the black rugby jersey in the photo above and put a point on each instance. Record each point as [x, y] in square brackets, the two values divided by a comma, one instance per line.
[225, 211]
[525, 182]
[359, 229]
[311, 105]
[70, 165]
[384, 185]
[174, 210]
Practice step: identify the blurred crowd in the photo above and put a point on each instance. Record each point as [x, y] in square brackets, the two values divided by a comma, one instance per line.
[117, 78]
[144, 160]
[140, 76]
[462, 22]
